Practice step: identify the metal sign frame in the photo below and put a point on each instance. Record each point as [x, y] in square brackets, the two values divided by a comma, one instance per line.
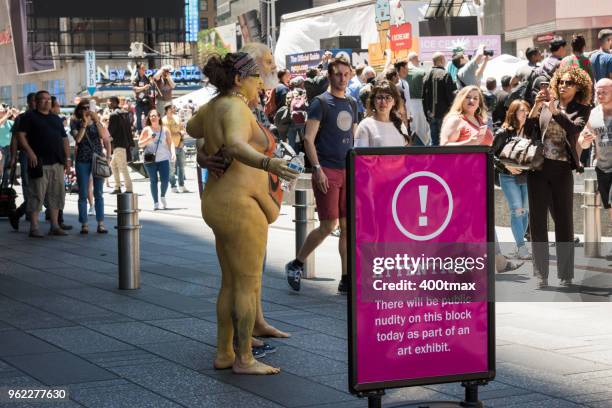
[363, 389]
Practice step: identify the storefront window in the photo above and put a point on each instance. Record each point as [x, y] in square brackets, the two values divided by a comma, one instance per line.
[6, 94]
[56, 87]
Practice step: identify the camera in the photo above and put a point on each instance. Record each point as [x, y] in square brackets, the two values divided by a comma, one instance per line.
[488, 53]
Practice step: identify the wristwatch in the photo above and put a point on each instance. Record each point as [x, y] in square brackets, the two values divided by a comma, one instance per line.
[316, 166]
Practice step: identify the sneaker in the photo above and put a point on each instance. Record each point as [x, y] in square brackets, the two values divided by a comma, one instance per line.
[58, 232]
[14, 220]
[175, 190]
[343, 286]
[182, 189]
[155, 206]
[294, 275]
[542, 283]
[65, 227]
[92, 211]
[36, 234]
[523, 253]
[164, 203]
[566, 283]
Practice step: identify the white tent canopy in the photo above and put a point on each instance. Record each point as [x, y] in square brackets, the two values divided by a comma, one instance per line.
[502, 65]
[199, 97]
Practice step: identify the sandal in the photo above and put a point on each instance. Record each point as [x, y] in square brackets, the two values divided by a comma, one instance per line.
[102, 229]
[84, 229]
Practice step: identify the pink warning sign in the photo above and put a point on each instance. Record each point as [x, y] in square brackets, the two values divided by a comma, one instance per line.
[421, 266]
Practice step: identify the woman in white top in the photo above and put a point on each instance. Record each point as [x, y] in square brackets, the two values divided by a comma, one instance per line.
[156, 141]
[383, 125]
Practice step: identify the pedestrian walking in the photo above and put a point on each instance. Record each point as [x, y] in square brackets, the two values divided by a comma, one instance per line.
[601, 59]
[415, 78]
[145, 95]
[90, 137]
[120, 129]
[177, 131]
[383, 125]
[557, 118]
[577, 58]
[43, 138]
[438, 95]
[499, 113]
[331, 125]
[156, 140]
[512, 180]
[598, 132]
[466, 122]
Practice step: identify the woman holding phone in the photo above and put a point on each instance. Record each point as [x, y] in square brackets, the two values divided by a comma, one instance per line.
[558, 116]
[466, 122]
[89, 136]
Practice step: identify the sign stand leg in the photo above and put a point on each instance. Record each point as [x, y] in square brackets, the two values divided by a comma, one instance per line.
[374, 398]
[471, 394]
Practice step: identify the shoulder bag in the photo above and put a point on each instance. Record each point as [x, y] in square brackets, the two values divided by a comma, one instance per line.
[100, 167]
[523, 153]
[150, 157]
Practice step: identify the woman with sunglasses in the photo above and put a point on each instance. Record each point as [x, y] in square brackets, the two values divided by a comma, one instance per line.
[156, 140]
[383, 125]
[558, 116]
[89, 136]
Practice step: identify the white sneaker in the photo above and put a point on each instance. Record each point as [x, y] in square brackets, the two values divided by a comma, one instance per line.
[156, 206]
[164, 203]
[92, 211]
[523, 253]
[182, 189]
[175, 190]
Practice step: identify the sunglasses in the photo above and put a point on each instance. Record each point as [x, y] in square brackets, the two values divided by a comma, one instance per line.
[386, 98]
[255, 75]
[563, 82]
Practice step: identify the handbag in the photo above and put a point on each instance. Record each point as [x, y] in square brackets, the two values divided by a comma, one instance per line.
[100, 167]
[150, 157]
[522, 153]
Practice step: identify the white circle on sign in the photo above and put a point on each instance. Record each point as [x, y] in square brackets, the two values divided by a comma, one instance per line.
[344, 121]
[442, 227]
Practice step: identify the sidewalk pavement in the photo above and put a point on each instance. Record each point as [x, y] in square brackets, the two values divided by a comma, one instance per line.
[64, 323]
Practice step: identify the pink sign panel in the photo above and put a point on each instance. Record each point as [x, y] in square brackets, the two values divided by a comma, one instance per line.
[420, 294]
[468, 43]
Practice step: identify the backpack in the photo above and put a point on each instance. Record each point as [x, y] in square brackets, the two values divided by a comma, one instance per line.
[298, 108]
[270, 107]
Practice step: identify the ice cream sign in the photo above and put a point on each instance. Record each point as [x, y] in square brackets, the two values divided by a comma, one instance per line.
[394, 32]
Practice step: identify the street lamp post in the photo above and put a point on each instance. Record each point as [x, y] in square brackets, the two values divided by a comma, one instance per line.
[271, 22]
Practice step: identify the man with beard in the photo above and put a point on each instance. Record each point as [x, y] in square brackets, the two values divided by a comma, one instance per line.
[216, 166]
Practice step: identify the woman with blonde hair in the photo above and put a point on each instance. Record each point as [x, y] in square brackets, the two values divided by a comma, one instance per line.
[466, 122]
[383, 125]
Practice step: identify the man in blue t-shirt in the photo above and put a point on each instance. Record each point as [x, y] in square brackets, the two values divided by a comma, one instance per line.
[601, 60]
[331, 125]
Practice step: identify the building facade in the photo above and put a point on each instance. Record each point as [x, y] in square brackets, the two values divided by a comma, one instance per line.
[47, 52]
[534, 22]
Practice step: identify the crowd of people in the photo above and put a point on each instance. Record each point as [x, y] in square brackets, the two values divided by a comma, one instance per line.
[261, 115]
[41, 139]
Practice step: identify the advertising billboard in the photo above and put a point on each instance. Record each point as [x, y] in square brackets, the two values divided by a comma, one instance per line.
[420, 223]
[298, 64]
[448, 44]
[29, 57]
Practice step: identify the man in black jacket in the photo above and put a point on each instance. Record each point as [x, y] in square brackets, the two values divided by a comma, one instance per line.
[438, 95]
[120, 129]
[499, 113]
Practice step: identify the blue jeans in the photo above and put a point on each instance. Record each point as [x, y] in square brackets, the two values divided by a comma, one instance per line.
[163, 167]
[140, 109]
[83, 173]
[516, 195]
[178, 168]
[435, 125]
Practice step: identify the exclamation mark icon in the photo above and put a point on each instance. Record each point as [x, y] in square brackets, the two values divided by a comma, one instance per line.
[423, 200]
